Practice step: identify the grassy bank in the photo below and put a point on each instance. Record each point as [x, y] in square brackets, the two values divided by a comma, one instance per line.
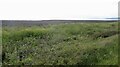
[61, 44]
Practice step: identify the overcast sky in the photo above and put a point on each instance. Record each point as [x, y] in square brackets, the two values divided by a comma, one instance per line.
[57, 9]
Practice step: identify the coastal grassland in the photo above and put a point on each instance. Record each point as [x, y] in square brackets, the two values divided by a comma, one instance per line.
[61, 44]
[0, 45]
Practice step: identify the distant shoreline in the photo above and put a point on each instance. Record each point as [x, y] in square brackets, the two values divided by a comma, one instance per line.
[87, 20]
[46, 22]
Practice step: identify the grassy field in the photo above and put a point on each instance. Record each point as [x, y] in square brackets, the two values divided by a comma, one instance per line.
[0, 45]
[61, 44]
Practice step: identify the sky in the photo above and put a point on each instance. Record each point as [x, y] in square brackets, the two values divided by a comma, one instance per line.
[57, 9]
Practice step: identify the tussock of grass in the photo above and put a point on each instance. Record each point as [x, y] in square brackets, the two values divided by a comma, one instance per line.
[61, 44]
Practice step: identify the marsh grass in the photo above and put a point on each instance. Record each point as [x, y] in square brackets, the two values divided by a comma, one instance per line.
[62, 44]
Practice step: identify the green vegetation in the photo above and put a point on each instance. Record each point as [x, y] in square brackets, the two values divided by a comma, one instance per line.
[61, 44]
[0, 45]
